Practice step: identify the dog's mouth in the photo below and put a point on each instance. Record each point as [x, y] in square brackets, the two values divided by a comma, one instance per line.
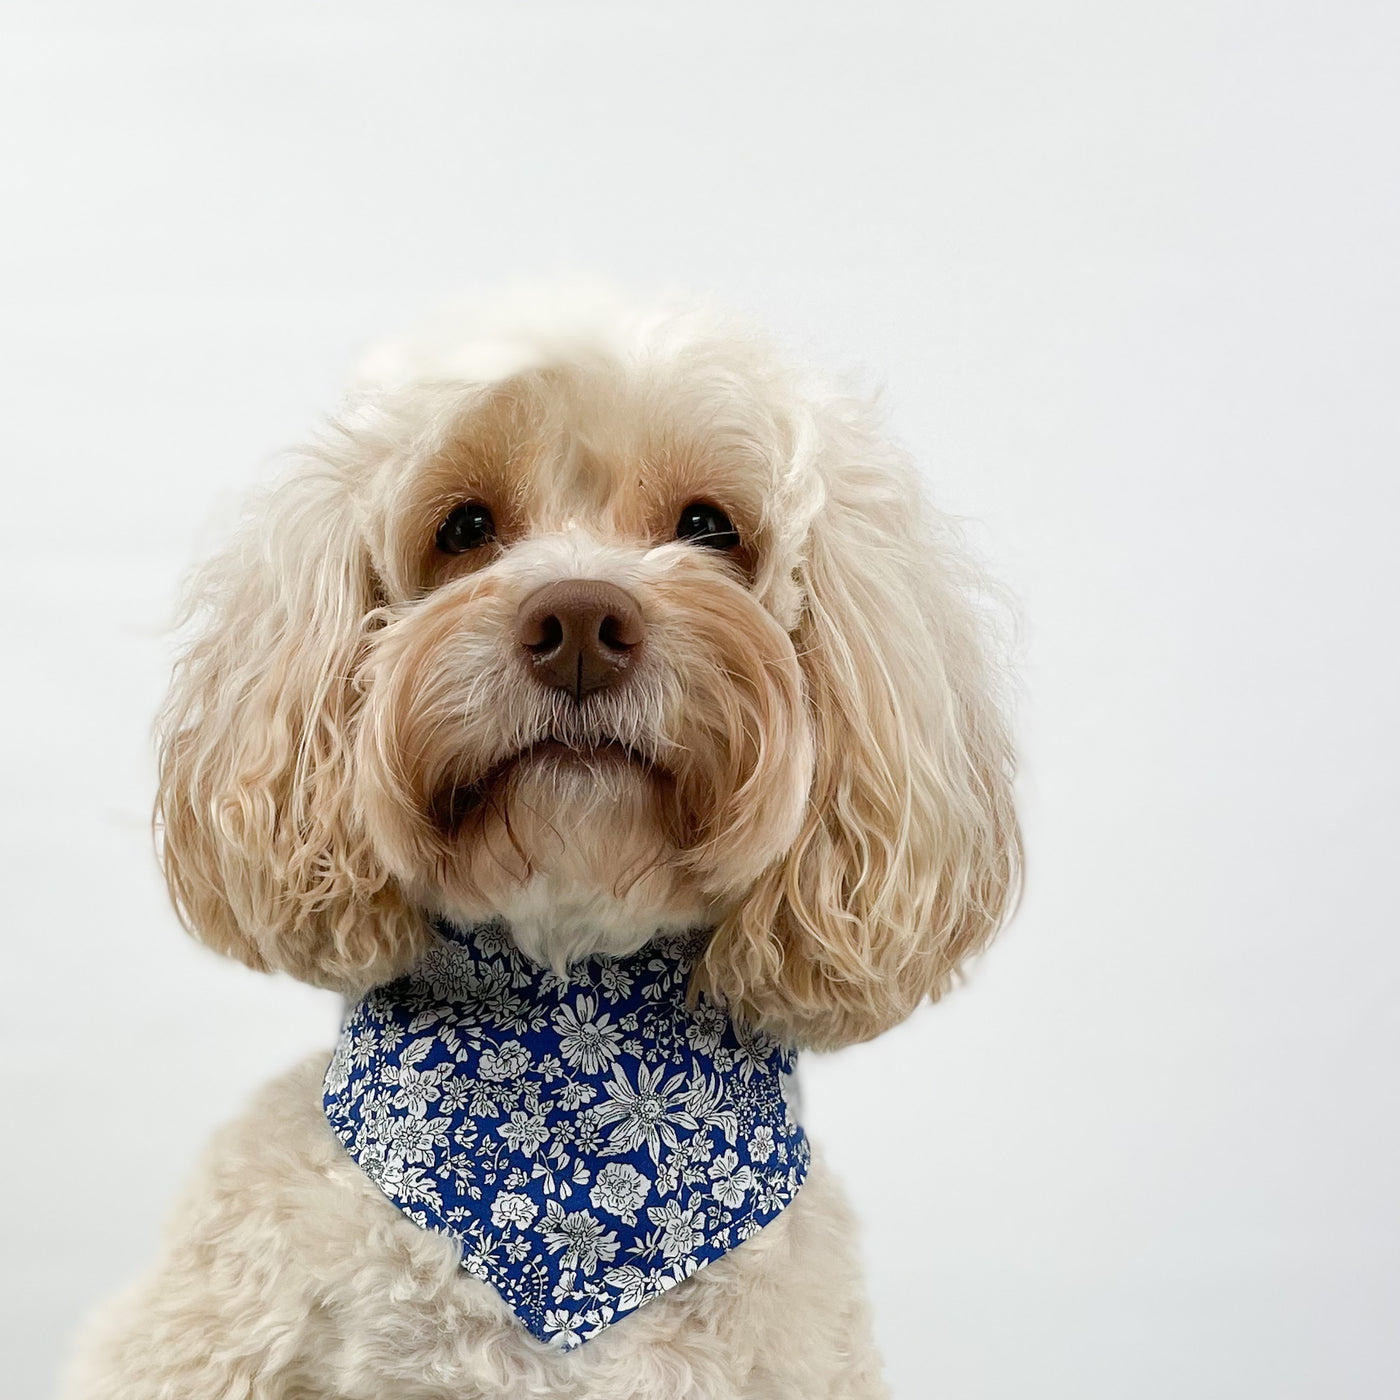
[454, 802]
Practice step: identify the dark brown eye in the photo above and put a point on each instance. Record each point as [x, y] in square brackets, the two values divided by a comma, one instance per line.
[468, 526]
[702, 523]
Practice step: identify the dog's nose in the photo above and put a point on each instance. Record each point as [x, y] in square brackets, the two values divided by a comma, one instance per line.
[580, 634]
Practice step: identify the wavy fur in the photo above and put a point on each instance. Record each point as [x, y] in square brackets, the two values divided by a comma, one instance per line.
[809, 755]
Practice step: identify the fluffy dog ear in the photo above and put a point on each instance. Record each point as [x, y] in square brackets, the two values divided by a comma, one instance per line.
[262, 846]
[909, 859]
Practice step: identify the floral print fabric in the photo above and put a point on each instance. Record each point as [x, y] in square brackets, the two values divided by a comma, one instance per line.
[590, 1140]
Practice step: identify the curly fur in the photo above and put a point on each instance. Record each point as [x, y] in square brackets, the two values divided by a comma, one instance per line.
[287, 1275]
[809, 756]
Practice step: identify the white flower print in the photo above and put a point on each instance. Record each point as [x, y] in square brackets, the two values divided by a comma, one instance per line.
[376, 1117]
[767, 1198]
[417, 1186]
[614, 981]
[455, 1094]
[417, 1088]
[579, 1235]
[575, 1095]
[446, 972]
[753, 1052]
[588, 1130]
[731, 1181]
[525, 1132]
[384, 1171]
[559, 1324]
[508, 1061]
[493, 939]
[475, 1264]
[668, 1174]
[706, 1102]
[631, 1285]
[704, 1028]
[415, 1139]
[588, 1138]
[511, 1208]
[364, 1045]
[338, 1073]
[680, 1229]
[588, 1040]
[648, 1112]
[620, 1190]
[761, 1143]
[595, 1319]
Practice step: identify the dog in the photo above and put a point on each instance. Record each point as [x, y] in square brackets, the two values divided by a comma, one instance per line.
[582, 631]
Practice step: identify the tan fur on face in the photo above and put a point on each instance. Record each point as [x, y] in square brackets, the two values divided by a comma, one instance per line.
[818, 763]
[714, 710]
[909, 858]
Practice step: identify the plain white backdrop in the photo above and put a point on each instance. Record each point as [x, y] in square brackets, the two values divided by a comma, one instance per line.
[1128, 274]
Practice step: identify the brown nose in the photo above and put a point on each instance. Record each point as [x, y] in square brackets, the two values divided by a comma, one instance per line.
[580, 634]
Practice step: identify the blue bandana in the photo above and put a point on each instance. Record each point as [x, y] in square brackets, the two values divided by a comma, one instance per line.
[590, 1140]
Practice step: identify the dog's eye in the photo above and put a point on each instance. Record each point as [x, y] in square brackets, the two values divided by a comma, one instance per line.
[702, 523]
[468, 526]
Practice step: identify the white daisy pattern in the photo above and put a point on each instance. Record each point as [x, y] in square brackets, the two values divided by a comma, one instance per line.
[587, 1038]
[591, 1141]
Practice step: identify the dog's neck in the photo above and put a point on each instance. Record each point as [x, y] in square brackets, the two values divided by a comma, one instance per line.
[558, 923]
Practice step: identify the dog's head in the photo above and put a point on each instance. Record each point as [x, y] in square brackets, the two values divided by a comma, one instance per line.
[606, 632]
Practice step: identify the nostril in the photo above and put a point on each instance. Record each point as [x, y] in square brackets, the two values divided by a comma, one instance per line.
[614, 634]
[580, 635]
[546, 635]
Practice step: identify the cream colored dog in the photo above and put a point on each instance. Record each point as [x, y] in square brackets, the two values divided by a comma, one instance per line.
[756, 698]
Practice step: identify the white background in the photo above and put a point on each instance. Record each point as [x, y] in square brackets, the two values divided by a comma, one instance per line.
[1128, 272]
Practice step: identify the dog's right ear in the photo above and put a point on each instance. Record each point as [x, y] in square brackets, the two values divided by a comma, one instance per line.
[263, 847]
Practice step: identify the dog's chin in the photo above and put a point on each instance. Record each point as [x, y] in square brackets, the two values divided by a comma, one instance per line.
[547, 773]
[577, 849]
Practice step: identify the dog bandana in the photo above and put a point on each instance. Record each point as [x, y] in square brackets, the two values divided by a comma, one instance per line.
[590, 1140]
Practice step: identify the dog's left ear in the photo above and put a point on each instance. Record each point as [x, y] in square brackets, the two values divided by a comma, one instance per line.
[910, 856]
